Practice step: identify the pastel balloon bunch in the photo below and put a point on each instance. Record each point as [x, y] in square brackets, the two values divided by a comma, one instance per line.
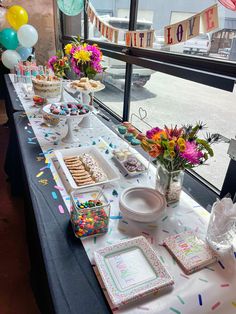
[16, 37]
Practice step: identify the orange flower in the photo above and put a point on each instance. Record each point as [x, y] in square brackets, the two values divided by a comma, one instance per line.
[155, 150]
[157, 136]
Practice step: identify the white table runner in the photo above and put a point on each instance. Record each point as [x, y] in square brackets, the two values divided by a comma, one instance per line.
[211, 290]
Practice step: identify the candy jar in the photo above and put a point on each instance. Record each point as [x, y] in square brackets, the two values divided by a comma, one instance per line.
[90, 211]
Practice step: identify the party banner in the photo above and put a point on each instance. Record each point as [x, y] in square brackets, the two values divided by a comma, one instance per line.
[139, 39]
[189, 28]
[109, 32]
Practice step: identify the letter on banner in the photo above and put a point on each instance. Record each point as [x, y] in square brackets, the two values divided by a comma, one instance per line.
[92, 15]
[110, 34]
[134, 39]
[141, 39]
[210, 18]
[181, 29]
[128, 39]
[193, 26]
[103, 29]
[169, 33]
[116, 32]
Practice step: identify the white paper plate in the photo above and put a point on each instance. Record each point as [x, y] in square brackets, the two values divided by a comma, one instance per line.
[46, 109]
[72, 90]
[112, 175]
[142, 204]
[122, 266]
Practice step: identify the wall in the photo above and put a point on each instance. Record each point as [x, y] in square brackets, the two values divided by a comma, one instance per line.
[41, 17]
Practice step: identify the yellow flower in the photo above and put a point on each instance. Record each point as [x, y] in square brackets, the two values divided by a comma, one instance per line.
[68, 48]
[182, 147]
[180, 141]
[171, 144]
[82, 56]
[172, 154]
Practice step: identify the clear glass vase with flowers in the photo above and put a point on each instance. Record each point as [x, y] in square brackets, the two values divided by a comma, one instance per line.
[175, 149]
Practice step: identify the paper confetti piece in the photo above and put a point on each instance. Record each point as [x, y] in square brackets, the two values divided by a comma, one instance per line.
[43, 181]
[145, 233]
[175, 310]
[215, 306]
[39, 158]
[43, 168]
[114, 193]
[59, 188]
[94, 240]
[116, 217]
[221, 265]
[163, 219]
[224, 285]
[61, 209]
[107, 151]
[54, 195]
[200, 299]
[180, 299]
[39, 174]
[234, 304]
[93, 143]
[143, 308]
[125, 222]
[235, 254]
[165, 231]
[203, 279]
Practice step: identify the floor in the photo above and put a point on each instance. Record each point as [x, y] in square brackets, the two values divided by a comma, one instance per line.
[15, 292]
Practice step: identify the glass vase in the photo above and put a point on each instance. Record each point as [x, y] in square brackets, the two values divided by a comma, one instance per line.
[169, 183]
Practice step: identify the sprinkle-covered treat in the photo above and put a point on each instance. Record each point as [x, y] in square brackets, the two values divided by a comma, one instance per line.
[135, 142]
[129, 137]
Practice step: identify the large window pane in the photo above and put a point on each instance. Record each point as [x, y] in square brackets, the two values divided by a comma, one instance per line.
[114, 79]
[170, 100]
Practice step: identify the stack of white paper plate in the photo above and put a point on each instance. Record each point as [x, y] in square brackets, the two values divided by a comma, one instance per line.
[142, 204]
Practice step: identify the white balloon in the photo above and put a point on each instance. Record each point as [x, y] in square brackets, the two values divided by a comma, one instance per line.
[10, 58]
[27, 36]
[3, 20]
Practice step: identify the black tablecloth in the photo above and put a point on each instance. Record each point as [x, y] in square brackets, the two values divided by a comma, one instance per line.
[71, 282]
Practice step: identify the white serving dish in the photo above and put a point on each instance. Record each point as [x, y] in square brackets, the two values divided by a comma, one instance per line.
[125, 170]
[78, 118]
[94, 152]
[142, 204]
[72, 90]
[122, 266]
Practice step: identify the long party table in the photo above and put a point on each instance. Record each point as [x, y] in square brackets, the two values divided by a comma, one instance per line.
[67, 262]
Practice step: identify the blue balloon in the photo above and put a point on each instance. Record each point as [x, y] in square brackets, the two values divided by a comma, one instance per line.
[24, 52]
[9, 38]
[71, 7]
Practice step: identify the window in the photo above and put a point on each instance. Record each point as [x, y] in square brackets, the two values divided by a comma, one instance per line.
[183, 83]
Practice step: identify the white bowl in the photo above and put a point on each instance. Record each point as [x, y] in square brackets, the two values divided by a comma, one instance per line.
[142, 204]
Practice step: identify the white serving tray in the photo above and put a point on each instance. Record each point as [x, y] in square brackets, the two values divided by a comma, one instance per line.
[131, 270]
[112, 174]
[125, 170]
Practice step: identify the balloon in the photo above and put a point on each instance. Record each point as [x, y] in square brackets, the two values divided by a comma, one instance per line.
[27, 36]
[10, 58]
[9, 38]
[3, 12]
[17, 16]
[71, 7]
[24, 52]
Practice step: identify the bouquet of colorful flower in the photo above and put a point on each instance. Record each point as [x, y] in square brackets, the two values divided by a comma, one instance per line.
[85, 59]
[178, 148]
[58, 64]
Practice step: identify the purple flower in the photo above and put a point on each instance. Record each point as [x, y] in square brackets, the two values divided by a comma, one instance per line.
[192, 154]
[151, 132]
[52, 61]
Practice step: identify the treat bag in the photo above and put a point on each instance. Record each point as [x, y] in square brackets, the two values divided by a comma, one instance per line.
[221, 231]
